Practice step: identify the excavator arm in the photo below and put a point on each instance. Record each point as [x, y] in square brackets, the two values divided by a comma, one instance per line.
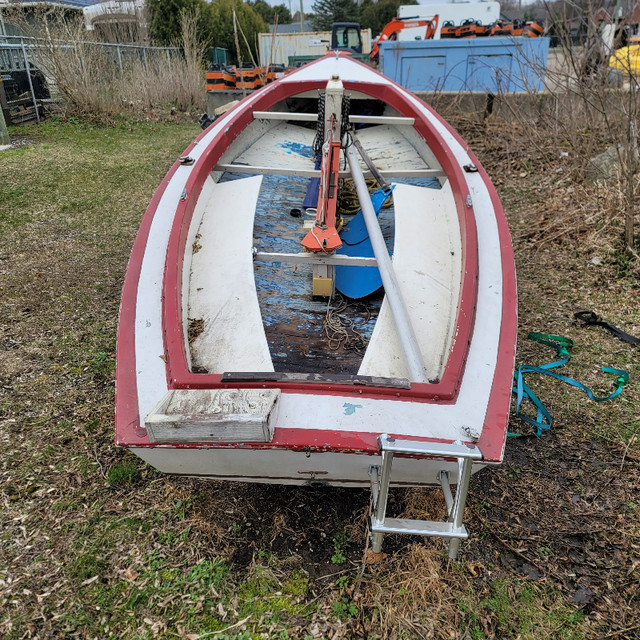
[393, 28]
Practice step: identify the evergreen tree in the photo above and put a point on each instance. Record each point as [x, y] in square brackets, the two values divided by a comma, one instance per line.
[220, 26]
[165, 24]
[216, 24]
[375, 15]
[268, 13]
[284, 15]
[326, 12]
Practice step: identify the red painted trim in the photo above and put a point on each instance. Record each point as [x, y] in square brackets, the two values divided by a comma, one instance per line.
[311, 440]
[126, 400]
[454, 369]
[178, 375]
[493, 438]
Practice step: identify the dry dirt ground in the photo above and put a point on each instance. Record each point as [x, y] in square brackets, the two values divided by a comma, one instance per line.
[95, 544]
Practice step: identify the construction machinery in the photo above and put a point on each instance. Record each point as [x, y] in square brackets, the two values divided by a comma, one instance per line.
[392, 29]
[346, 36]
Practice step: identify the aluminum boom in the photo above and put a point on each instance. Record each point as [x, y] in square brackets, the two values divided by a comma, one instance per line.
[391, 289]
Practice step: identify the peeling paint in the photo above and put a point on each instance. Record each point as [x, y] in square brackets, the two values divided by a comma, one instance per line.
[350, 409]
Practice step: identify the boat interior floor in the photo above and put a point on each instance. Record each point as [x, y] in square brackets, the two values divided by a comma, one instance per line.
[263, 317]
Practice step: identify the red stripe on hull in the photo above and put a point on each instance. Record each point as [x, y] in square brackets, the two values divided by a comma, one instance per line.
[178, 374]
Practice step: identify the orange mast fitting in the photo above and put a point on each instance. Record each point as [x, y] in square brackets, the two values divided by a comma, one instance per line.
[323, 235]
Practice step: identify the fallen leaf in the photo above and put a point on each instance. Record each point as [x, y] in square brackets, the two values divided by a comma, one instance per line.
[583, 595]
[131, 574]
[373, 558]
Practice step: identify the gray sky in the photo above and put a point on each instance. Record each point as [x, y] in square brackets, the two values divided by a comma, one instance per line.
[294, 5]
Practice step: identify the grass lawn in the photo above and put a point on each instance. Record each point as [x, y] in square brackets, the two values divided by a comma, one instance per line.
[95, 544]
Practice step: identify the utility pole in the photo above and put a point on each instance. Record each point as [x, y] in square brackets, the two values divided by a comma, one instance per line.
[4, 134]
[301, 16]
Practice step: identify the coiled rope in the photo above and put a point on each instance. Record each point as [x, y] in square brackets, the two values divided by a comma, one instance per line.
[339, 327]
[348, 203]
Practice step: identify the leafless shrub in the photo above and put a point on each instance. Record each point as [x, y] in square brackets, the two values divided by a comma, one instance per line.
[592, 109]
[586, 109]
[94, 78]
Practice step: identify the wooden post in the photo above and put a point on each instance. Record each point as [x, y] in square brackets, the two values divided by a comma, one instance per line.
[4, 134]
[235, 35]
[28, 68]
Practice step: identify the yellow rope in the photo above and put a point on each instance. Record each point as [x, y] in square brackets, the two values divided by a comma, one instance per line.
[348, 203]
[340, 329]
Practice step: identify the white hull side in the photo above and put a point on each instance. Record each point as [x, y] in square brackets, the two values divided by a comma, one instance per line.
[280, 466]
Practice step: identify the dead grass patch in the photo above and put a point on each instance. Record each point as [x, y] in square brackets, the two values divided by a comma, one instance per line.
[93, 79]
[413, 591]
[555, 534]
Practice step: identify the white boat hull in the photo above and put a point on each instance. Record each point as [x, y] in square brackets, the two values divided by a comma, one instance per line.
[294, 467]
[326, 431]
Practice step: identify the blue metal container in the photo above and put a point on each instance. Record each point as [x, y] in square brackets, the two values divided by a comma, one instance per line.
[493, 64]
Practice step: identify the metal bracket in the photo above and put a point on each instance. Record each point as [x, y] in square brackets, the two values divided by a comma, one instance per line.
[453, 529]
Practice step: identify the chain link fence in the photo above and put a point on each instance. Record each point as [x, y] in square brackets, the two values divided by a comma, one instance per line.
[26, 89]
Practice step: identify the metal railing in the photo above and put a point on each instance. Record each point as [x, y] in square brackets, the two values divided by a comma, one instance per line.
[14, 51]
[20, 54]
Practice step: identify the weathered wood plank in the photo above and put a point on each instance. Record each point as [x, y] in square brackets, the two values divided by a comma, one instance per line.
[219, 415]
[364, 381]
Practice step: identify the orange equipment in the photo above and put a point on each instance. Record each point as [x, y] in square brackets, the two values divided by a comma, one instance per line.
[393, 28]
[221, 78]
[532, 30]
[472, 29]
[323, 235]
[517, 28]
[449, 30]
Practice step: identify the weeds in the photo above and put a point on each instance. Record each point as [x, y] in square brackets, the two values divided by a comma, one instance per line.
[522, 611]
[92, 80]
[132, 554]
[341, 543]
[123, 473]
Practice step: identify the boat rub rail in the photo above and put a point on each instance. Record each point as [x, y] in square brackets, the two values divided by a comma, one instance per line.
[298, 440]
[178, 374]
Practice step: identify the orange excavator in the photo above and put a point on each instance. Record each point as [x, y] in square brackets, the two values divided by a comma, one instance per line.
[393, 28]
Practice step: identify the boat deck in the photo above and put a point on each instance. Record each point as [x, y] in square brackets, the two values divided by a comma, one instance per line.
[296, 332]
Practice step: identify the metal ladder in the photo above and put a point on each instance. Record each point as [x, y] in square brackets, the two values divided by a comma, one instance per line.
[452, 529]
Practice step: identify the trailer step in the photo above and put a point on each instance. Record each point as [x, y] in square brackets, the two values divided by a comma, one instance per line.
[420, 528]
[453, 529]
